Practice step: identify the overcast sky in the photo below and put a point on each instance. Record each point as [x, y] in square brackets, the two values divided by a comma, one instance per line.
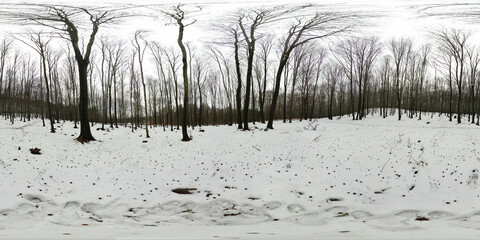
[394, 18]
[411, 18]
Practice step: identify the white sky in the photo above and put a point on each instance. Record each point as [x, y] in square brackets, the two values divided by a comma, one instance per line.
[398, 17]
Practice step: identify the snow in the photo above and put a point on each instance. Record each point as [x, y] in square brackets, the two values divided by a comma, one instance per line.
[277, 184]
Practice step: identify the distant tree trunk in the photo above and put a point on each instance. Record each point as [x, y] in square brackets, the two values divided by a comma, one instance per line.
[47, 86]
[451, 92]
[4, 49]
[239, 82]
[285, 85]
[352, 100]
[200, 115]
[115, 99]
[109, 77]
[132, 80]
[459, 103]
[141, 53]
[317, 76]
[253, 103]
[262, 96]
[292, 95]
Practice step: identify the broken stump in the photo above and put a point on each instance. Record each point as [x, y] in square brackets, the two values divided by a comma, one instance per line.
[35, 151]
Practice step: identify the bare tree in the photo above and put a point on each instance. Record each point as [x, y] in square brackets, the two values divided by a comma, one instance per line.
[401, 51]
[200, 80]
[224, 70]
[474, 61]
[41, 47]
[158, 52]
[344, 55]
[423, 67]
[333, 74]
[319, 60]
[178, 15]
[454, 43]
[71, 85]
[300, 54]
[140, 45]
[365, 52]
[236, 43]
[249, 22]
[266, 45]
[385, 73]
[115, 61]
[318, 26]
[172, 59]
[66, 20]
[4, 50]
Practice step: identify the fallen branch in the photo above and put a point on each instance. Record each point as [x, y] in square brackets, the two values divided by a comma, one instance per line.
[183, 190]
[385, 164]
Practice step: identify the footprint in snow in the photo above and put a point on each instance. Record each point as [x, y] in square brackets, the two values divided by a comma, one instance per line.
[408, 213]
[91, 207]
[272, 205]
[295, 208]
[360, 214]
[71, 204]
[308, 219]
[473, 178]
[439, 215]
[34, 198]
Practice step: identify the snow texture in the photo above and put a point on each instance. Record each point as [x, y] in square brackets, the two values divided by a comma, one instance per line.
[321, 179]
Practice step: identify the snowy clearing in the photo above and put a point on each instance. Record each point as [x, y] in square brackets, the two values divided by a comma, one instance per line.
[344, 179]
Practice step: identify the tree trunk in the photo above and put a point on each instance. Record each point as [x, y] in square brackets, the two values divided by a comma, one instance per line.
[185, 136]
[47, 87]
[278, 78]
[251, 50]
[239, 84]
[85, 134]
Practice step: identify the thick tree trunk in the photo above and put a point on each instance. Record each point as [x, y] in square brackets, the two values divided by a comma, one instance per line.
[253, 103]
[85, 134]
[278, 78]
[251, 50]
[185, 136]
[239, 85]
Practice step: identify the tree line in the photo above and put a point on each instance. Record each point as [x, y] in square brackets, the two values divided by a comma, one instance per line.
[316, 65]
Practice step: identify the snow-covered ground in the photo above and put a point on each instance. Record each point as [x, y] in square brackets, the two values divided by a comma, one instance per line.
[326, 179]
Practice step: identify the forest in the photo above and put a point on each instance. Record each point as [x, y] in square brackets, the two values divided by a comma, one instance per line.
[333, 120]
[314, 66]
